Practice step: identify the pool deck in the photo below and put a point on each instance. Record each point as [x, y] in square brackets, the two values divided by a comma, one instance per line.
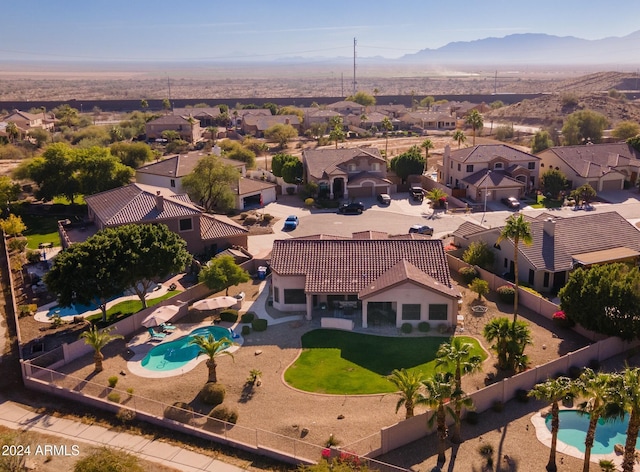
[141, 344]
[544, 436]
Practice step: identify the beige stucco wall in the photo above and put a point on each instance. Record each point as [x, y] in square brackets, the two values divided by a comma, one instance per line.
[280, 283]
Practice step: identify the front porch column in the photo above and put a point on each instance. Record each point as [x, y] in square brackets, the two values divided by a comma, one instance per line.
[309, 306]
[331, 188]
[364, 314]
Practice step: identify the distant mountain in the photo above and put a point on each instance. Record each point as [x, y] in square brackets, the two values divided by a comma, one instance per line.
[533, 49]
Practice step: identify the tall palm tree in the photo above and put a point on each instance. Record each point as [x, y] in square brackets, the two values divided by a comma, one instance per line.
[440, 389]
[212, 348]
[98, 339]
[517, 229]
[519, 339]
[552, 391]
[427, 145]
[458, 356]
[474, 119]
[460, 137]
[596, 387]
[387, 127]
[13, 132]
[409, 384]
[629, 390]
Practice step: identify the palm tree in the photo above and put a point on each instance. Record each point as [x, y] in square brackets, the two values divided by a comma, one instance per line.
[212, 348]
[98, 339]
[474, 119]
[387, 126]
[552, 391]
[498, 332]
[458, 355]
[517, 229]
[408, 384]
[519, 339]
[460, 137]
[427, 144]
[596, 388]
[440, 389]
[13, 132]
[629, 391]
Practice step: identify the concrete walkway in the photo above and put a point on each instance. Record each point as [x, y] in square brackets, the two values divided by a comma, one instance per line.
[15, 417]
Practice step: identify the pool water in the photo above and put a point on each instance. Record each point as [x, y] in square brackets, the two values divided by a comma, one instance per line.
[574, 426]
[175, 354]
[76, 308]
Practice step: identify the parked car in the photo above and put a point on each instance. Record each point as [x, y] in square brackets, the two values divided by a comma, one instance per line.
[291, 222]
[417, 193]
[354, 208]
[384, 198]
[421, 229]
[511, 202]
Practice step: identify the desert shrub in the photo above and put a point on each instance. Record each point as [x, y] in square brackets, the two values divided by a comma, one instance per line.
[57, 321]
[179, 411]
[248, 317]
[479, 286]
[259, 324]
[250, 220]
[246, 329]
[468, 274]
[229, 315]
[114, 397]
[424, 327]
[212, 393]
[17, 244]
[478, 253]
[113, 381]
[497, 406]
[267, 217]
[33, 257]
[309, 202]
[522, 395]
[406, 328]
[224, 413]
[504, 133]
[506, 293]
[108, 460]
[472, 417]
[125, 415]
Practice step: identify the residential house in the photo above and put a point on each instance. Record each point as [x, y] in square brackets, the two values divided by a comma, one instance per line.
[347, 173]
[347, 107]
[559, 245]
[187, 127]
[371, 119]
[256, 125]
[427, 120]
[206, 116]
[138, 203]
[168, 173]
[603, 166]
[28, 121]
[317, 116]
[375, 279]
[238, 116]
[491, 171]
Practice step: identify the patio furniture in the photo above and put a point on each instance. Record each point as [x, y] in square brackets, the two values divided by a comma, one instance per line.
[167, 326]
[155, 336]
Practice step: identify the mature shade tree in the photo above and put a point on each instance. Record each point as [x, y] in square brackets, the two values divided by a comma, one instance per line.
[597, 390]
[604, 298]
[210, 184]
[552, 391]
[13, 132]
[362, 98]
[98, 170]
[281, 133]
[289, 110]
[166, 105]
[440, 389]
[585, 194]
[517, 229]
[408, 163]
[98, 339]
[212, 348]
[67, 116]
[625, 130]
[553, 182]
[478, 253]
[150, 253]
[474, 119]
[221, 273]
[12, 225]
[292, 171]
[409, 385]
[40, 136]
[458, 357]
[583, 126]
[237, 152]
[9, 191]
[132, 154]
[634, 142]
[541, 141]
[89, 272]
[479, 286]
[427, 102]
[459, 137]
[272, 107]
[278, 162]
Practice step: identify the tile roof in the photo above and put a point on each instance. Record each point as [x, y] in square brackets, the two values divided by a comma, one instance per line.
[198, 112]
[468, 228]
[488, 152]
[322, 161]
[493, 179]
[263, 123]
[404, 272]
[219, 226]
[137, 203]
[181, 165]
[169, 120]
[246, 186]
[595, 160]
[350, 265]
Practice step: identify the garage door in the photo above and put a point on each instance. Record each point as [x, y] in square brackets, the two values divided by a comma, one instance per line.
[503, 193]
[359, 192]
[611, 185]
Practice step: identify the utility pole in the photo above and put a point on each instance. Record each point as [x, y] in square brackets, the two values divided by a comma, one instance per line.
[495, 83]
[354, 65]
[169, 85]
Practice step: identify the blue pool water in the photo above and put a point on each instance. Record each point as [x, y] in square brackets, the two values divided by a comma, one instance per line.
[175, 354]
[574, 426]
[76, 308]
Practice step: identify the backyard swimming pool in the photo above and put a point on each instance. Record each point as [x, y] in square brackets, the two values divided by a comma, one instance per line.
[173, 355]
[574, 426]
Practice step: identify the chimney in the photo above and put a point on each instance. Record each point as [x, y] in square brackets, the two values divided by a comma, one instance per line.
[159, 201]
[550, 226]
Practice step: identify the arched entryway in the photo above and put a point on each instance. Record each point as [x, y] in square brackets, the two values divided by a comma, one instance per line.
[338, 187]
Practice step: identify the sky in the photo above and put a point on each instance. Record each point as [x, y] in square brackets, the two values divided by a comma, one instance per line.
[265, 30]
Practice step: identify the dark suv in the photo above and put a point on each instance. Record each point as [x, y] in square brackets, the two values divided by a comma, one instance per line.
[354, 208]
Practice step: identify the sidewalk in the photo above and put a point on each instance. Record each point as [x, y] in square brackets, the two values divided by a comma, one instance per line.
[15, 417]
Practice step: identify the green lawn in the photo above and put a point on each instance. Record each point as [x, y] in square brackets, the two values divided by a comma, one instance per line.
[129, 307]
[346, 363]
[544, 202]
[41, 229]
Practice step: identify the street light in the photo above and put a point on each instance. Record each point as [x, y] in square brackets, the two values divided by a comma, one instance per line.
[486, 192]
